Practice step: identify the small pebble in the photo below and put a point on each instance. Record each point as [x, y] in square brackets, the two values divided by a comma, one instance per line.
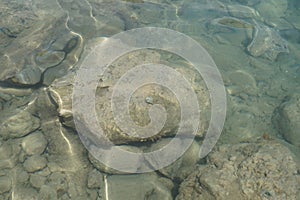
[37, 181]
[149, 100]
[35, 163]
[34, 143]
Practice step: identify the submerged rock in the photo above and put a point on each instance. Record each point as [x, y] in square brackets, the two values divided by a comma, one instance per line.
[231, 30]
[271, 9]
[18, 124]
[181, 167]
[5, 184]
[34, 143]
[69, 53]
[61, 91]
[241, 81]
[17, 16]
[142, 186]
[267, 43]
[47, 192]
[9, 154]
[287, 117]
[37, 180]
[140, 102]
[65, 151]
[67, 163]
[28, 76]
[139, 109]
[108, 170]
[95, 179]
[24, 191]
[59, 182]
[242, 11]
[27, 58]
[35, 163]
[245, 171]
[21, 175]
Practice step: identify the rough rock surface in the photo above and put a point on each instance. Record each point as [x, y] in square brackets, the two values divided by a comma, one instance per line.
[267, 43]
[18, 124]
[287, 118]
[38, 44]
[140, 102]
[262, 170]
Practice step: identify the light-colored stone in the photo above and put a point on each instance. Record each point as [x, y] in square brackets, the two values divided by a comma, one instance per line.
[35, 163]
[139, 108]
[61, 92]
[34, 143]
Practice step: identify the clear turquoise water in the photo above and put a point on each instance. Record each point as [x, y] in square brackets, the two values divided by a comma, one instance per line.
[254, 44]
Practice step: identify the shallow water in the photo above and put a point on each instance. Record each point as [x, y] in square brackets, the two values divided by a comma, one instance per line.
[45, 48]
